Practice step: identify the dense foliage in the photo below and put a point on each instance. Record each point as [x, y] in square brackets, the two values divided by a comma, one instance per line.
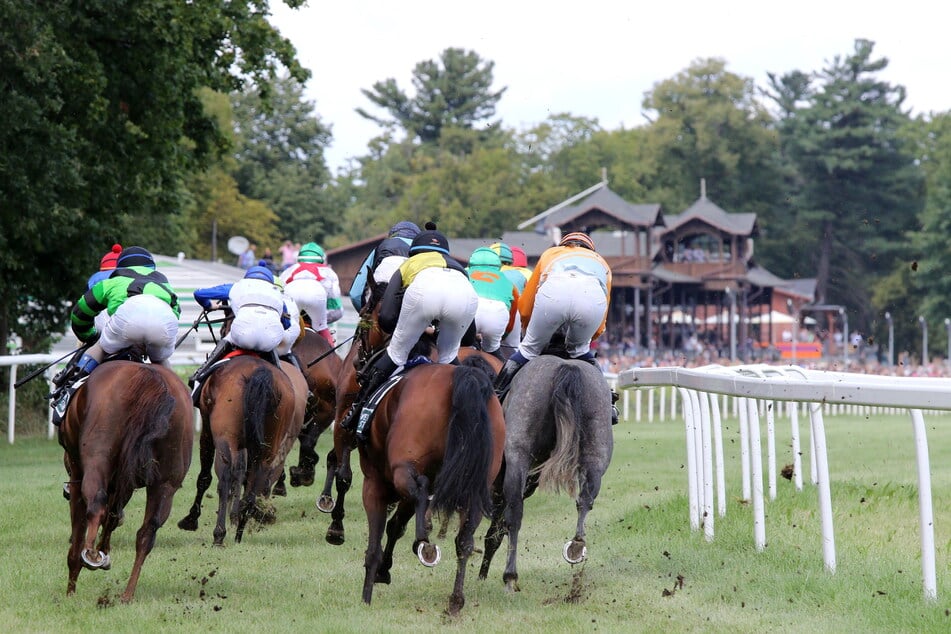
[173, 125]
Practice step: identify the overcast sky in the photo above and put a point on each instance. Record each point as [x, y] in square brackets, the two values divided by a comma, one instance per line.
[596, 58]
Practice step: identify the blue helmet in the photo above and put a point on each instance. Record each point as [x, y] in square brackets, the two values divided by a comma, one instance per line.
[259, 273]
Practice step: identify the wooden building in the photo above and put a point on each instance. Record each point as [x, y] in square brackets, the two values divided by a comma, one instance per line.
[674, 275]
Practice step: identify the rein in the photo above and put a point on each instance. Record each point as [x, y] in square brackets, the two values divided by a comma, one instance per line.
[332, 350]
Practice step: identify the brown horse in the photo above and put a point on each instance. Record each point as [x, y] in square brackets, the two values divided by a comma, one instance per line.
[321, 365]
[367, 339]
[434, 448]
[250, 414]
[129, 426]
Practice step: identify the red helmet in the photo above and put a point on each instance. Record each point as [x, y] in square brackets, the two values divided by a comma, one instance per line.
[108, 261]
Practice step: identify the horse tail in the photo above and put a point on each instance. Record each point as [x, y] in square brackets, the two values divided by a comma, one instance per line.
[463, 480]
[260, 402]
[560, 471]
[149, 406]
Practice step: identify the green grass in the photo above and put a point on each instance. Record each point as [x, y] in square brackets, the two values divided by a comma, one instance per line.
[647, 570]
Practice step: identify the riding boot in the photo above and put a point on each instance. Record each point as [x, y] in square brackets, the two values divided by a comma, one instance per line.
[508, 371]
[59, 379]
[84, 368]
[196, 379]
[272, 357]
[325, 333]
[377, 374]
[590, 358]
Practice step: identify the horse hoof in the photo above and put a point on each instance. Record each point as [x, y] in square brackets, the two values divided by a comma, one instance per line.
[103, 563]
[428, 554]
[66, 491]
[325, 504]
[301, 477]
[188, 524]
[575, 552]
[280, 490]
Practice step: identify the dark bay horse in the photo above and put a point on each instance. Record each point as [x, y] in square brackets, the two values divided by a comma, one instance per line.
[129, 427]
[558, 436]
[321, 365]
[251, 413]
[434, 448]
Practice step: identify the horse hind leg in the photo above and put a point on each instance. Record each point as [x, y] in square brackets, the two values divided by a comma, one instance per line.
[495, 534]
[344, 479]
[77, 512]
[325, 501]
[395, 529]
[158, 506]
[576, 550]
[415, 487]
[206, 454]
[96, 507]
[465, 544]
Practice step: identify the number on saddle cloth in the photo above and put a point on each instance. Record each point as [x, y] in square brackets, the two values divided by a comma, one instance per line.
[366, 414]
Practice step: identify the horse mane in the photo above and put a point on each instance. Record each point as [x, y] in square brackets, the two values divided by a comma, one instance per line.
[148, 406]
[468, 444]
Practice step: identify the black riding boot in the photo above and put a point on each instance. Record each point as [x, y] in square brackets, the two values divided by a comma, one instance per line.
[508, 371]
[379, 372]
[195, 381]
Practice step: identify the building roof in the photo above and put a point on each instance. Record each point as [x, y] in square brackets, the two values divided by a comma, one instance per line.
[740, 224]
[601, 199]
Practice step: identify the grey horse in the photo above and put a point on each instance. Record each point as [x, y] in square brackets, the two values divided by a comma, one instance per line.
[558, 436]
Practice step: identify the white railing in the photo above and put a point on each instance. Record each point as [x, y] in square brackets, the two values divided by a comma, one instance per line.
[13, 362]
[758, 388]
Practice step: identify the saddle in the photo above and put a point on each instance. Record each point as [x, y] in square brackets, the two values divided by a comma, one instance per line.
[369, 409]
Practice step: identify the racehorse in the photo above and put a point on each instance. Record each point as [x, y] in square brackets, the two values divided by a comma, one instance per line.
[434, 448]
[251, 414]
[367, 339]
[128, 427]
[321, 366]
[559, 438]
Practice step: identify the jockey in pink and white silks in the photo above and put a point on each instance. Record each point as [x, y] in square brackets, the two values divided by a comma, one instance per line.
[429, 286]
[315, 287]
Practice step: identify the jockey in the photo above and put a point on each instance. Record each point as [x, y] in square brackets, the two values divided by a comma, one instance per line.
[520, 264]
[106, 266]
[568, 292]
[142, 308]
[383, 261]
[316, 289]
[497, 314]
[506, 254]
[260, 319]
[429, 286]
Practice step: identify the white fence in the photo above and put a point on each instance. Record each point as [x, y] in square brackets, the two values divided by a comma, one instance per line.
[758, 388]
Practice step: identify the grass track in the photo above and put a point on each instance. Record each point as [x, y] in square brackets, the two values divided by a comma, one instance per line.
[647, 571]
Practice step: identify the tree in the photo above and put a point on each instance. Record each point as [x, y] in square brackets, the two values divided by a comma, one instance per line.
[452, 92]
[103, 120]
[931, 251]
[856, 188]
[279, 158]
[707, 123]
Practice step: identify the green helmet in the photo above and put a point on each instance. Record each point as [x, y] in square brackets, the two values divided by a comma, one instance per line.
[311, 252]
[484, 256]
